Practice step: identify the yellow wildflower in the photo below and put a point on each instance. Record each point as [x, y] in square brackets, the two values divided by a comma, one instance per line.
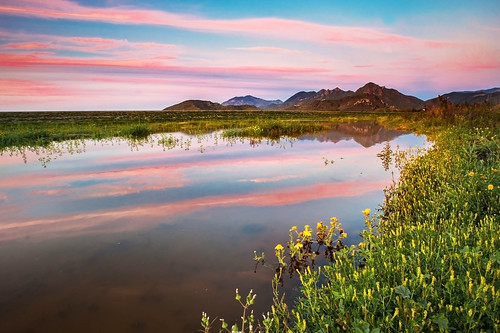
[307, 231]
[471, 173]
[366, 211]
[396, 312]
[491, 187]
[298, 246]
[494, 170]
[279, 247]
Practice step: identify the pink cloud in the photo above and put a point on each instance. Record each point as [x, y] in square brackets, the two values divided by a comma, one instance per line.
[117, 48]
[155, 63]
[18, 87]
[267, 49]
[276, 27]
[28, 46]
[154, 75]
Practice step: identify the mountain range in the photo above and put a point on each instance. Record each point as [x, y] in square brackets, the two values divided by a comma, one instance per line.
[251, 100]
[370, 97]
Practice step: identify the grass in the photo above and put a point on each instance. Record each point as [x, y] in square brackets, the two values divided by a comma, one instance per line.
[430, 261]
[22, 129]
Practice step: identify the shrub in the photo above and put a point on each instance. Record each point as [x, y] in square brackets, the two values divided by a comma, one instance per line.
[138, 131]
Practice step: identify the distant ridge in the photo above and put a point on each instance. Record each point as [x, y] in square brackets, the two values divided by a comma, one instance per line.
[370, 97]
[200, 105]
[251, 100]
[491, 96]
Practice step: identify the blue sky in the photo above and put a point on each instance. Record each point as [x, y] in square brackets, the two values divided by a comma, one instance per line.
[62, 54]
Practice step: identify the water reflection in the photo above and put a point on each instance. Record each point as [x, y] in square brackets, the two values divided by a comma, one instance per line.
[143, 236]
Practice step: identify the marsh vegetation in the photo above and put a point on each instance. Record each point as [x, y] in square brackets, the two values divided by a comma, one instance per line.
[428, 260]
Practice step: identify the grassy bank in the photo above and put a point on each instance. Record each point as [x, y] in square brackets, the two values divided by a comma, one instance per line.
[22, 129]
[430, 261]
[38, 129]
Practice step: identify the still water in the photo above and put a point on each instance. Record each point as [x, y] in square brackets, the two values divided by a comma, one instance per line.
[114, 236]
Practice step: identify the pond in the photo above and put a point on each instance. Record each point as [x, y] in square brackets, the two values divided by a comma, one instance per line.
[117, 236]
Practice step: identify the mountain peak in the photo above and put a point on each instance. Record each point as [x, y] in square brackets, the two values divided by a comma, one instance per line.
[371, 88]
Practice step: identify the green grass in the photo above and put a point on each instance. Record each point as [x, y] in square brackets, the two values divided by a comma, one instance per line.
[23, 129]
[430, 261]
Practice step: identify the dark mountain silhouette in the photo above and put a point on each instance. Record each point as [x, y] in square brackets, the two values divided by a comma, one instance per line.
[391, 97]
[490, 96]
[299, 98]
[370, 97]
[333, 94]
[355, 102]
[251, 100]
[302, 98]
[198, 105]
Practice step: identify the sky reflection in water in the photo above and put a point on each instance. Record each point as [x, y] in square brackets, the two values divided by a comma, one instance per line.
[144, 238]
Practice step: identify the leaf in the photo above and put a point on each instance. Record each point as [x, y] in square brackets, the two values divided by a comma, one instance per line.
[402, 291]
[496, 257]
[441, 321]
[336, 294]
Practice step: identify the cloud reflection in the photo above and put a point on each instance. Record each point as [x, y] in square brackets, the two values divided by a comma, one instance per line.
[133, 218]
[112, 189]
[271, 179]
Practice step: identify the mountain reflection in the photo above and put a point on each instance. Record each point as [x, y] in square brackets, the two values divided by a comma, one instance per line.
[366, 134]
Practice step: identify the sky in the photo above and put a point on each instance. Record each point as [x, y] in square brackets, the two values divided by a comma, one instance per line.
[150, 54]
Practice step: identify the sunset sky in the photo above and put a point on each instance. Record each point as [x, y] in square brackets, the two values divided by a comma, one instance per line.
[112, 54]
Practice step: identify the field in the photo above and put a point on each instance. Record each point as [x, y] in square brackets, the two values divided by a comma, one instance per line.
[429, 260]
[40, 128]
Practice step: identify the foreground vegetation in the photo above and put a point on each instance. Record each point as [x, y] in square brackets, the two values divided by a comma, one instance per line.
[430, 261]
